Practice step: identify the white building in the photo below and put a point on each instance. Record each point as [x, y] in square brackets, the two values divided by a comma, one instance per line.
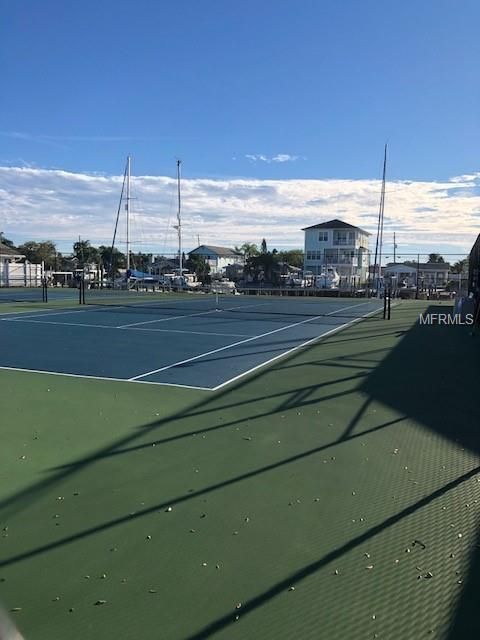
[14, 273]
[218, 257]
[430, 274]
[399, 275]
[339, 245]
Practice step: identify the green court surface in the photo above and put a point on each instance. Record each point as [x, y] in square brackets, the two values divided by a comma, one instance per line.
[334, 494]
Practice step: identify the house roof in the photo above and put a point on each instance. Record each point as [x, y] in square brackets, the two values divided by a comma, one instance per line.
[335, 224]
[9, 251]
[423, 266]
[434, 266]
[220, 251]
[399, 266]
[162, 260]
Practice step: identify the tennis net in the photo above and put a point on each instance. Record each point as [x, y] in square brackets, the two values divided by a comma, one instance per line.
[22, 294]
[261, 304]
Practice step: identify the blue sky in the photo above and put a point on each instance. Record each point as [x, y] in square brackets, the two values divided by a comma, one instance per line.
[271, 90]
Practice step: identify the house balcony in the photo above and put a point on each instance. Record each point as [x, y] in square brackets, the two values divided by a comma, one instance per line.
[343, 243]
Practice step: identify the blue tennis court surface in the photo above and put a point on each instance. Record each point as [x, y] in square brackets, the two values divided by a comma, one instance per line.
[173, 342]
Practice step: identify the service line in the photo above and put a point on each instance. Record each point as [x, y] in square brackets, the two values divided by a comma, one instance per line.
[236, 344]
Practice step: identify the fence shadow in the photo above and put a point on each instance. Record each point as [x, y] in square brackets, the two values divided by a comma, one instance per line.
[432, 377]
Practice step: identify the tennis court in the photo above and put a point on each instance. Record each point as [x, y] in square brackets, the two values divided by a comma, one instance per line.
[331, 495]
[199, 341]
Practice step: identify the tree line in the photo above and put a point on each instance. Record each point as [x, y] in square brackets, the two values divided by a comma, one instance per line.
[83, 254]
[268, 263]
[461, 266]
[257, 259]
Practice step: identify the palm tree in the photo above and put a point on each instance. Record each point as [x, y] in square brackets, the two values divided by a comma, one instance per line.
[435, 258]
[460, 267]
[248, 249]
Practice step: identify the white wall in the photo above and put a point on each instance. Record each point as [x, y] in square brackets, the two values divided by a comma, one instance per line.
[20, 274]
[217, 263]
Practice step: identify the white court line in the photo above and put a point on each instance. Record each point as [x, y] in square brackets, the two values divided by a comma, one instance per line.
[187, 315]
[17, 313]
[106, 326]
[63, 324]
[185, 386]
[45, 315]
[235, 344]
[125, 380]
[190, 315]
[199, 333]
[92, 306]
[304, 344]
[121, 300]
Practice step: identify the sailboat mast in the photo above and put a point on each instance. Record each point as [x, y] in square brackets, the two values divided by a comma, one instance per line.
[128, 215]
[382, 209]
[378, 246]
[179, 220]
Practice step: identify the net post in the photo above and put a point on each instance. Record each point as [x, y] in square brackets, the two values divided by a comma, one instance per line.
[44, 290]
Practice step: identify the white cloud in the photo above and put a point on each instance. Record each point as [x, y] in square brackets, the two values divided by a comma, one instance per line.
[284, 157]
[60, 205]
[280, 157]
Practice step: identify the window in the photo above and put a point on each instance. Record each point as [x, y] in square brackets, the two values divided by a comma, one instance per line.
[322, 236]
[346, 256]
[344, 238]
[331, 256]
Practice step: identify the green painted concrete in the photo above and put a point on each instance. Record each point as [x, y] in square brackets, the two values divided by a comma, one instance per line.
[332, 495]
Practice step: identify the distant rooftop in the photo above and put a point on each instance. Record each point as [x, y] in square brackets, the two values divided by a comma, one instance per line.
[10, 252]
[220, 251]
[434, 266]
[423, 266]
[335, 224]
